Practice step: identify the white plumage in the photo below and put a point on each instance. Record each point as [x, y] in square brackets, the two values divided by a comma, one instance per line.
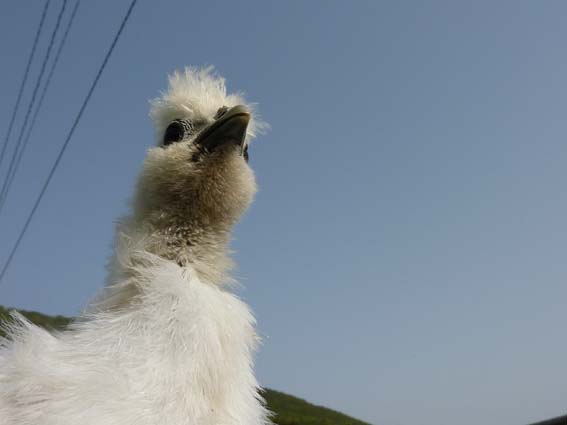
[166, 342]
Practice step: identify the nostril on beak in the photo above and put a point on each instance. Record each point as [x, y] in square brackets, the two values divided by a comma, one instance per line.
[222, 110]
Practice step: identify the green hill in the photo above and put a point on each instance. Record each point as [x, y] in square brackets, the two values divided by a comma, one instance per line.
[43, 320]
[292, 410]
[288, 410]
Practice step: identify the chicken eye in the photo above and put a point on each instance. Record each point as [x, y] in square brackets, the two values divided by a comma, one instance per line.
[177, 131]
[173, 133]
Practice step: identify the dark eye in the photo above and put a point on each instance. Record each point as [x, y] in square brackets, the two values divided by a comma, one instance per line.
[245, 153]
[177, 131]
[174, 133]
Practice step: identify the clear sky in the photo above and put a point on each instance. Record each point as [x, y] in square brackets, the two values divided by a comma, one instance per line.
[405, 256]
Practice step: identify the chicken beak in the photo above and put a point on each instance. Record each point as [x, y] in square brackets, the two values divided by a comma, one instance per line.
[228, 128]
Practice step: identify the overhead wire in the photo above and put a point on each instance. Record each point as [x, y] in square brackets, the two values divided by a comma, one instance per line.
[67, 140]
[38, 108]
[32, 100]
[23, 83]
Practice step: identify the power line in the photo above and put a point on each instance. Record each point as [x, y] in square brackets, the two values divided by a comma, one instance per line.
[24, 80]
[38, 108]
[67, 140]
[32, 101]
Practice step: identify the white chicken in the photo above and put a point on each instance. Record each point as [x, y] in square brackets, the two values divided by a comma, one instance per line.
[166, 342]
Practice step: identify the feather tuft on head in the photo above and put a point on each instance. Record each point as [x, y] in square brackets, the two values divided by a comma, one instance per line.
[197, 94]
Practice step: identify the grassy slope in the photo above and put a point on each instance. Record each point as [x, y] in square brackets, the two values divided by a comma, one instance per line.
[291, 410]
[288, 410]
[47, 322]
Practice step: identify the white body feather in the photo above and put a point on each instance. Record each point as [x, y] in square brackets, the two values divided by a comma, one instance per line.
[178, 353]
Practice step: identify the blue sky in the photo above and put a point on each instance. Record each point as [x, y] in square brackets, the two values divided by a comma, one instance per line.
[405, 256]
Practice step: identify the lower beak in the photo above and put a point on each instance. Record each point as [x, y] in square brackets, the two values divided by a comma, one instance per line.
[229, 128]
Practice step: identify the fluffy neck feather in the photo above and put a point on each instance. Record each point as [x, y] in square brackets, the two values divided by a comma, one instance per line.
[186, 240]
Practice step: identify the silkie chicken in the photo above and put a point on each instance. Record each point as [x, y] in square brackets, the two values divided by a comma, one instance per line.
[166, 342]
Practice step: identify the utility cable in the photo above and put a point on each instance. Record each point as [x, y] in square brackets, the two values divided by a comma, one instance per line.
[32, 101]
[66, 143]
[24, 80]
[39, 104]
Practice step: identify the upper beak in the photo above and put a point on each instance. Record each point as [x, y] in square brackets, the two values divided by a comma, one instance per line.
[229, 128]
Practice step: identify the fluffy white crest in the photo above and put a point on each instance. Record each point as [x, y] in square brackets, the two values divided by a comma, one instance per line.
[197, 94]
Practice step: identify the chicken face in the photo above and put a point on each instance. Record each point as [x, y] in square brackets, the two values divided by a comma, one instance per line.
[199, 171]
